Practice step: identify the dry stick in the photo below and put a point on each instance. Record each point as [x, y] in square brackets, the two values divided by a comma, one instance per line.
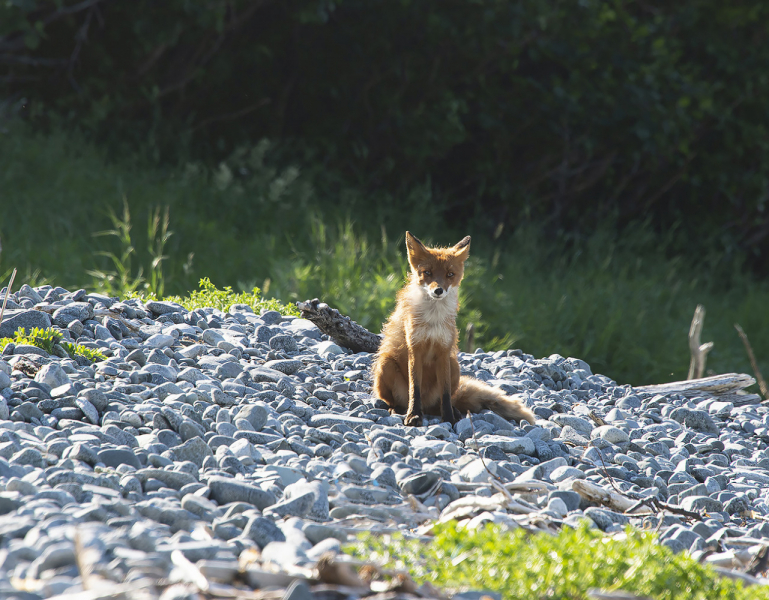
[596, 418]
[759, 563]
[469, 337]
[698, 351]
[477, 445]
[605, 469]
[7, 292]
[83, 565]
[496, 481]
[652, 502]
[753, 363]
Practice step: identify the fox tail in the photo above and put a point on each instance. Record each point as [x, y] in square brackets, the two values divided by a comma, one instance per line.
[474, 395]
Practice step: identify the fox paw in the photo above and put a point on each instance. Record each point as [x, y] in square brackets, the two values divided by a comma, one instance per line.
[452, 417]
[413, 420]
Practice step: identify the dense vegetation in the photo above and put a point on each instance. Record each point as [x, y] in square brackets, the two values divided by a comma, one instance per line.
[609, 159]
[507, 111]
[521, 565]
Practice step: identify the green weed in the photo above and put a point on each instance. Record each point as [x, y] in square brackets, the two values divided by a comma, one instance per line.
[121, 280]
[49, 340]
[209, 296]
[520, 565]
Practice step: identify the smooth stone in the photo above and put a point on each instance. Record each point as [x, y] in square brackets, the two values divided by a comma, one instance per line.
[256, 414]
[88, 409]
[225, 490]
[194, 450]
[520, 445]
[613, 435]
[263, 531]
[75, 311]
[114, 457]
[52, 375]
[285, 366]
[419, 483]
[604, 518]
[25, 319]
[283, 343]
[297, 506]
[700, 503]
[565, 473]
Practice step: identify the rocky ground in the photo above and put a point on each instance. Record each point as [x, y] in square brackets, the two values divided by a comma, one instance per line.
[218, 452]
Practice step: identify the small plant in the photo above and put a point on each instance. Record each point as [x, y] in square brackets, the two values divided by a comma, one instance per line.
[157, 236]
[121, 281]
[48, 340]
[210, 296]
[523, 566]
[77, 350]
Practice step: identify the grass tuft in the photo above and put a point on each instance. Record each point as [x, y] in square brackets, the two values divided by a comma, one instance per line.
[522, 566]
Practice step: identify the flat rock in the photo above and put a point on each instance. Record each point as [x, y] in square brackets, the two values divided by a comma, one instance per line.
[225, 490]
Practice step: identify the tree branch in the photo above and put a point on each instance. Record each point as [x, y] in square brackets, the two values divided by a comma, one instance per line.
[344, 331]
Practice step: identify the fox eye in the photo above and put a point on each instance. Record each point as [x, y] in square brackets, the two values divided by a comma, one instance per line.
[427, 273]
[449, 274]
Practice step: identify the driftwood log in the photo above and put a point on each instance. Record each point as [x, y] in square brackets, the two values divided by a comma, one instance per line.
[340, 328]
[726, 387]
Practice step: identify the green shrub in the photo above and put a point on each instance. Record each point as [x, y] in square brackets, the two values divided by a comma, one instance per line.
[209, 296]
[522, 566]
[48, 340]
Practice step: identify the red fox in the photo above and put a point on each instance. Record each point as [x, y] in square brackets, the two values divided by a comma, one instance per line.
[416, 368]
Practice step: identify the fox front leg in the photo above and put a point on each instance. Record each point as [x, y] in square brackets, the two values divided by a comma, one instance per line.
[448, 412]
[414, 413]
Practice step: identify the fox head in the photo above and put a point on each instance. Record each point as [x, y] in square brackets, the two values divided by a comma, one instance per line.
[437, 270]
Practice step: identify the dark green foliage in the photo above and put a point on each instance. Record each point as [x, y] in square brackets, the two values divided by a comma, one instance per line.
[510, 111]
[524, 566]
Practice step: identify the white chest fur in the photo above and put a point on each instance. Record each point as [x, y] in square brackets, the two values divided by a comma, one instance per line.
[433, 320]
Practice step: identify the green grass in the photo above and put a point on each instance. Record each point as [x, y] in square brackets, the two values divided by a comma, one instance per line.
[524, 566]
[622, 302]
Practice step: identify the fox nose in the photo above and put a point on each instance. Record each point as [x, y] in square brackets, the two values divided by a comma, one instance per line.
[438, 291]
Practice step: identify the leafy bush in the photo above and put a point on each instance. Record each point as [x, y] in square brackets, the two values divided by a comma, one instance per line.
[209, 296]
[48, 340]
[520, 565]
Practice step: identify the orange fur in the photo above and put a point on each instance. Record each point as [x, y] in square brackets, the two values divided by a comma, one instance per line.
[416, 369]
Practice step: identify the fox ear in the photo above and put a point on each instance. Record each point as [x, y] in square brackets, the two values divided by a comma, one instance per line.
[413, 243]
[462, 249]
[416, 249]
